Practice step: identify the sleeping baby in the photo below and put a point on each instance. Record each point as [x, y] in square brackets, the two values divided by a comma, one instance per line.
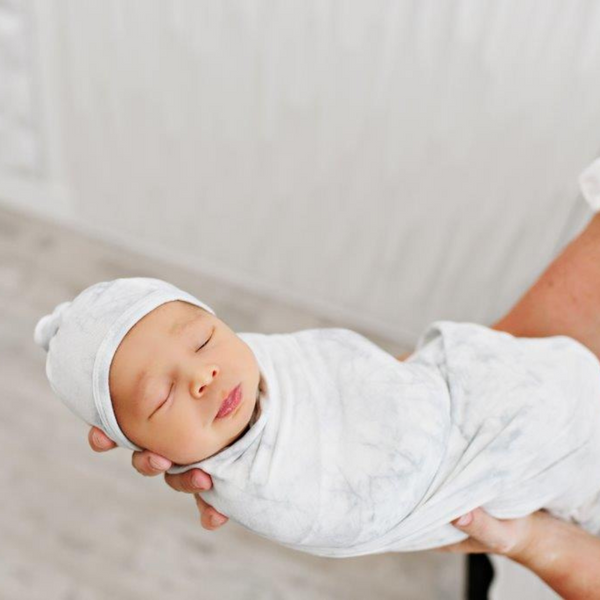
[319, 439]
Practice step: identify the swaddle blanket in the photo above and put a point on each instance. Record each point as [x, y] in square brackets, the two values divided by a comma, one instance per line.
[357, 453]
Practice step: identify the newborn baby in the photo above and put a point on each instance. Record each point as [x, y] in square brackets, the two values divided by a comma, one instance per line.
[319, 439]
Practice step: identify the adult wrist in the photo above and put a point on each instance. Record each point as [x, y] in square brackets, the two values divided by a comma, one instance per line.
[543, 546]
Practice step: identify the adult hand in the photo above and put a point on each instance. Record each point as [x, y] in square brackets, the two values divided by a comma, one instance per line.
[149, 464]
[560, 553]
[510, 537]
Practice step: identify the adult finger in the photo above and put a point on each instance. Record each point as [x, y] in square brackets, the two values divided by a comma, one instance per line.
[99, 441]
[471, 545]
[149, 464]
[210, 518]
[496, 535]
[468, 546]
[192, 481]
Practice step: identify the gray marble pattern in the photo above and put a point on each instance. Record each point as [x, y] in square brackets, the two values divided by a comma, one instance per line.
[356, 453]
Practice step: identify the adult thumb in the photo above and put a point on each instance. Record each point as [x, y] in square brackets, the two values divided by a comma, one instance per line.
[480, 526]
[498, 536]
[463, 521]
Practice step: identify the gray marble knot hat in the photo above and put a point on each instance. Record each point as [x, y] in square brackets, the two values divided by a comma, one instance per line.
[81, 337]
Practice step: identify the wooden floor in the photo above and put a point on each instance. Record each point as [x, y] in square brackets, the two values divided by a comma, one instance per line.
[76, 525]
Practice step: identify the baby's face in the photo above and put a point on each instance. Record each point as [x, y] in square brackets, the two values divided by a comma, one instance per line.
[169, 377]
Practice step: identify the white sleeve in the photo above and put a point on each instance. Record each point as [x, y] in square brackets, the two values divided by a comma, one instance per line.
[589, 183]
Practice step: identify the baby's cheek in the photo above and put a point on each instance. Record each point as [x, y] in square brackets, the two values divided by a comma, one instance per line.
[133, 431]
[185, 447]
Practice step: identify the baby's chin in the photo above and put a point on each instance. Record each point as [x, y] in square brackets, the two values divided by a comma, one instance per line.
[178, 456]
[191, 456]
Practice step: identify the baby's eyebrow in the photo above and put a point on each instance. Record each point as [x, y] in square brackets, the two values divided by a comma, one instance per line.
[139, 389]
[182, 326]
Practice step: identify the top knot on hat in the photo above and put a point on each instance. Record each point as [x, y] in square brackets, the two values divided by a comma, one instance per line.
[47, 326]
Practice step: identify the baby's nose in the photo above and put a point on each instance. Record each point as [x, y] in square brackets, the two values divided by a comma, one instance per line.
[201, 383]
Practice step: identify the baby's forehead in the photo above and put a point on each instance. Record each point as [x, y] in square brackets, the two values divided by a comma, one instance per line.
[170, 319]
[184, 314]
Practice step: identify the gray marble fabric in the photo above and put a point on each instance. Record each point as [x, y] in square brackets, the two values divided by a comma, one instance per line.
[589, 184]
[357, 453]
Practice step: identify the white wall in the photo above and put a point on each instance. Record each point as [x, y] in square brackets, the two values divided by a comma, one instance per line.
[19, 127]
[387, 163]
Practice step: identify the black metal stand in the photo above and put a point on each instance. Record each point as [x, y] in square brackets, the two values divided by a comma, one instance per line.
[480, 574]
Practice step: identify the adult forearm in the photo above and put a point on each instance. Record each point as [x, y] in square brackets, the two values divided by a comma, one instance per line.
[565, 299]
[565, 556]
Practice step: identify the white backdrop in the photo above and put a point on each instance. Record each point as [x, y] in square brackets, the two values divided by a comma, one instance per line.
[385, 163]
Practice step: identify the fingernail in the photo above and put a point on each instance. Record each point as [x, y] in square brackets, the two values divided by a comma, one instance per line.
[159, 463]
[97, 441]
[215, 521]
[198, 482]
[464, 520]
